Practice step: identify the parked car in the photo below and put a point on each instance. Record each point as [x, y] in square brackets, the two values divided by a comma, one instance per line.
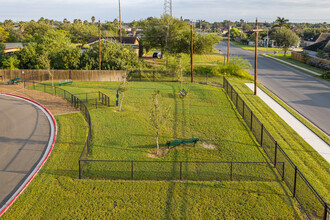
[157, 55]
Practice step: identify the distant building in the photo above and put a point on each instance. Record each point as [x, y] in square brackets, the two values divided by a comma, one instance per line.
[316, 39]
[322, 41]
[12, 47]
[128, 41]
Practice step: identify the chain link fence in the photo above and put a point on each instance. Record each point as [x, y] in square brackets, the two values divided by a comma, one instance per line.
[311, 202]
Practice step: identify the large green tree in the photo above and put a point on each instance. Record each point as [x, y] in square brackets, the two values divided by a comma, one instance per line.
[285, 38]
[115, 56]
[3, 35]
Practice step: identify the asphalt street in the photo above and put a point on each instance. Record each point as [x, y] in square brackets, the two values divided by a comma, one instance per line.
[306, 94]
[24, 135]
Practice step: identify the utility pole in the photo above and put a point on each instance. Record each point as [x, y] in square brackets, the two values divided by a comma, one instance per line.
[228, 42]
[99, 45]
[167, 31]
[256, 55]
[267, 38]
[192, 53]
[120, 35]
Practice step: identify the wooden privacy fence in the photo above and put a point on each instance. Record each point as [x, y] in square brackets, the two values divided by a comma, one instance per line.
[304, 58]
[76, 75]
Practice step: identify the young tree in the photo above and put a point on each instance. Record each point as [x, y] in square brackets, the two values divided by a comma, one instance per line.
[285, 38]
[122, 88]
[158, 116]
[44, 60]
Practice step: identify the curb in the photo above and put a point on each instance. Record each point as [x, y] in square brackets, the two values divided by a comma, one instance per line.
[290, 64]
[44, 158]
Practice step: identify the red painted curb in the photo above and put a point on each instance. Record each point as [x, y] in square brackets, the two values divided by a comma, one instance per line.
[51, 148]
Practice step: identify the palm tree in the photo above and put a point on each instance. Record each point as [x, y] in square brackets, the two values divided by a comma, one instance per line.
[281, 22]
[93, 20]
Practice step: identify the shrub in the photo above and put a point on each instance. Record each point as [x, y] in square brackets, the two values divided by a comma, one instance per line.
[319, 64]
[326, 75]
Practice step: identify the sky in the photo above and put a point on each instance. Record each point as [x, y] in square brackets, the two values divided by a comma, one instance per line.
[210, 10]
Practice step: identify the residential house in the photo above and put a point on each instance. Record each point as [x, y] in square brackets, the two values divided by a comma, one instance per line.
[316, 39]
[321, 43]
[129, 41]
[12, 47]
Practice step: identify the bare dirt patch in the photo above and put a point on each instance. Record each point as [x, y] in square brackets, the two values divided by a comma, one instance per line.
[55, 104]
[161, 153]
[208, 146]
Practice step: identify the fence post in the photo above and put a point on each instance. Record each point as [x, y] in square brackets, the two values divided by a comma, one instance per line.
[275, 156]
[243, 109]
[283, 171]
[79, 169]
[180, 170]
[108, 101]
[231, 171]
[325, 211]
[262, 134]
[132, 172]
[295, 181]
[251, 120]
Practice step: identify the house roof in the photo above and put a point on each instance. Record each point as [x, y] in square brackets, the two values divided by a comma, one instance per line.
[320, 37]
[319, 45]
[13, 45]
[125, 40]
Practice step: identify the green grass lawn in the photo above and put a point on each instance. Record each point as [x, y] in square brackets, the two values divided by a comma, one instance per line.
[288, 59]
[57, 193]
[247, 47]
[315, 168]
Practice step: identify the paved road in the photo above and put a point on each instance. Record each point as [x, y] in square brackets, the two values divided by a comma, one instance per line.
[306, 94]
[24, 136]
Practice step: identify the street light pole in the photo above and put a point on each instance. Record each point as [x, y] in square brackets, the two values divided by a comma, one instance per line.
[120, 34]
[228, 42]
[256, 55]
[192, 53]
[99, 45]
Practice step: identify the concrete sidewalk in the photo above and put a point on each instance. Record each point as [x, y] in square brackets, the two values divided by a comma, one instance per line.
[309, 136]
[290, 64]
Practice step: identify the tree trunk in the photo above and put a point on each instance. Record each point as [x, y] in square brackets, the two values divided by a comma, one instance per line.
[157, 150]
[121, 100]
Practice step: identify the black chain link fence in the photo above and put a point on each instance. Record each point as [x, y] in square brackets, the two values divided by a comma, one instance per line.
[311, 202]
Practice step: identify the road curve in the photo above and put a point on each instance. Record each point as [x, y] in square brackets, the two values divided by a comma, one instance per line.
[306, 94]
[27, 136]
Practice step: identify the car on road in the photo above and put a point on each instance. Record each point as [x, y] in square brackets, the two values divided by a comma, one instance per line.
[157, 55]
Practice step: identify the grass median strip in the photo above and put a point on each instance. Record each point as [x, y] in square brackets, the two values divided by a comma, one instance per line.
[312, 165]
